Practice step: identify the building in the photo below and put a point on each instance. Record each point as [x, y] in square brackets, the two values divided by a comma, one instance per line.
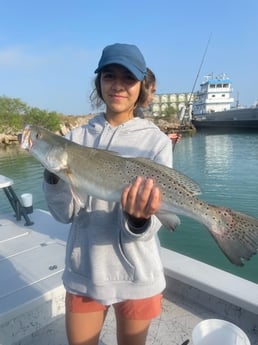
[161, 102]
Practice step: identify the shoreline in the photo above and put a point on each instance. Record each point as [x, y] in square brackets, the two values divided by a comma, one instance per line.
[69, 122]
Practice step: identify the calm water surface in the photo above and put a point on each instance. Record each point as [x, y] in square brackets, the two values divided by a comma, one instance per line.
[26, 173]
[224, 165]
[226, 168]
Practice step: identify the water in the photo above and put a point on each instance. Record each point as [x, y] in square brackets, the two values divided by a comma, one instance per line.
[226, 168]
[224, 165]
[26, 173]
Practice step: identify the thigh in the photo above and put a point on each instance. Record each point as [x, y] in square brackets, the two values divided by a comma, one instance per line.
[132, 331]
[134, 317]
[84, 320]
[84, 328]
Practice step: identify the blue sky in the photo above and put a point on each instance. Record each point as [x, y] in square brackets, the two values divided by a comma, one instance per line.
[50, 49]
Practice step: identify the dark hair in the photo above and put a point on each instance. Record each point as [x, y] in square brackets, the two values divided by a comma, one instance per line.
[150, 78]
[150, 83]
[97, 100]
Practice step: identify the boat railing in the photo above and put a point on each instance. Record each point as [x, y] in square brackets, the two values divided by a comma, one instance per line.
[6, 184]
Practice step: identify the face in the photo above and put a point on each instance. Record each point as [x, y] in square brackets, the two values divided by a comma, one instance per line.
[120, 90]
[152, 92]
[151, 95]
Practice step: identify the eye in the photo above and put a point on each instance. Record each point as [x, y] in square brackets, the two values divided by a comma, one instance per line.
[130, 78]
[108, 76]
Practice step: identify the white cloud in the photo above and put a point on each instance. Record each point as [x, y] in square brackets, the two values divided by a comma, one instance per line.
[23, 58]
[19, 57]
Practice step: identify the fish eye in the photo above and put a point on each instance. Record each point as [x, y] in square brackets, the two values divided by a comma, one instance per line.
[38, 135]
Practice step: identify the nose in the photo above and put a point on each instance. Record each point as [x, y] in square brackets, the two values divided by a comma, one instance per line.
[117, 84]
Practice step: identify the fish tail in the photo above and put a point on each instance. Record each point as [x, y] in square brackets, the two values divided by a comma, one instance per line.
[236, 234]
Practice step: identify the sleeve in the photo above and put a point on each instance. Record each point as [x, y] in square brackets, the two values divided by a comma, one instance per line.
[165, 155]
[144, 233]
[60, 201]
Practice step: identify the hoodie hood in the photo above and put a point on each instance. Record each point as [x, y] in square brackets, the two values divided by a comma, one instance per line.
[123, 139]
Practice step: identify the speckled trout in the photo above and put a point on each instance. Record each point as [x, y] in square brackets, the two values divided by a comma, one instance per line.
[104, 174]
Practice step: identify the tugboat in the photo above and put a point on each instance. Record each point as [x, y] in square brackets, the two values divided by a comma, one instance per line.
[213, 107]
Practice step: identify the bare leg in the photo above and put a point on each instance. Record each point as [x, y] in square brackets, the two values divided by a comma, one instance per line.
[132, 331]
[84, 328]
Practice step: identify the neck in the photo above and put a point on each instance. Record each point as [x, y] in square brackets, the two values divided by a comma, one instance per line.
[116, 119]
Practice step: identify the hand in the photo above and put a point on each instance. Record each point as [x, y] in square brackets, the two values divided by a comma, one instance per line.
[175, 137]
[141, 199]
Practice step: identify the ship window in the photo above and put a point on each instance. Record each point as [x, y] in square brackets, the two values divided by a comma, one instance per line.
[225, 85]
[213, 96]
[212, 86]
[223, 95]
[219, 85]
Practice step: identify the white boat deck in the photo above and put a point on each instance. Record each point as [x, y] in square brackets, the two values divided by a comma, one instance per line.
[173, 327]
[32, 295]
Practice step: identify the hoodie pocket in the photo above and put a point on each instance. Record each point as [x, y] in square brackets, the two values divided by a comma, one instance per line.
[96, 254]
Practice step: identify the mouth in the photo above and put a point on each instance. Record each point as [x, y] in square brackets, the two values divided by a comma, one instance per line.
[25, 139]
[116, 96]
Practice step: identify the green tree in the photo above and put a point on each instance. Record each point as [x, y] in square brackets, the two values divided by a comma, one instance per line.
[11, 112]
[49, 120]
[12, 106]
[15, 114]
[170, 114]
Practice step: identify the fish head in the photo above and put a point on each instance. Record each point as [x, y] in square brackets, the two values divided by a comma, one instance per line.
[45, 146]
[31, 135]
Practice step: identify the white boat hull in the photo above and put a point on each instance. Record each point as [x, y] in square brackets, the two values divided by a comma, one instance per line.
[32, 294]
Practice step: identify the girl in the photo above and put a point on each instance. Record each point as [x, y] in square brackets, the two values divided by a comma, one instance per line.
[112, 255]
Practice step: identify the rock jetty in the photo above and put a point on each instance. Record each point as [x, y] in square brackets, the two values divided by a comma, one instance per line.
[69, 122]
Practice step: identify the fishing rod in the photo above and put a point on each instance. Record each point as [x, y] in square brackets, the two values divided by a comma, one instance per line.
[200, 67]
[193, 88]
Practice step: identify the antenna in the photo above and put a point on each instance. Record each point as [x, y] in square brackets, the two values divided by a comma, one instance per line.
[182, 114]
[200, 67]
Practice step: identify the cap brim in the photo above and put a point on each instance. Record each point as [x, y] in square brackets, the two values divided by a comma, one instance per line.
[139, 75]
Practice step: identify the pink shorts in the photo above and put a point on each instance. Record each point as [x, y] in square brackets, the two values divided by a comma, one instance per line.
[139, 309]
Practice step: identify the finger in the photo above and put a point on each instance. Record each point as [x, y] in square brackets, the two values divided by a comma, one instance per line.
[144, 194]
[154, 202]
[130, 195]
[124, 196]
[138, 209]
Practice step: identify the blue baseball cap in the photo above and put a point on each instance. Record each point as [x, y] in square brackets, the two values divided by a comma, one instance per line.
[126, 55]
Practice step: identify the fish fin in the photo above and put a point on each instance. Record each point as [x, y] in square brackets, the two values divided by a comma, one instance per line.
[239, 236]
[81, 200]
[190, 185]
[169, 220]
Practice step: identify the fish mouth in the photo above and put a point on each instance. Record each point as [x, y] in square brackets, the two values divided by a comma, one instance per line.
[24, 139]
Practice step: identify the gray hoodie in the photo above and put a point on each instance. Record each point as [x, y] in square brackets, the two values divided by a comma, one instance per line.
[106, 258]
